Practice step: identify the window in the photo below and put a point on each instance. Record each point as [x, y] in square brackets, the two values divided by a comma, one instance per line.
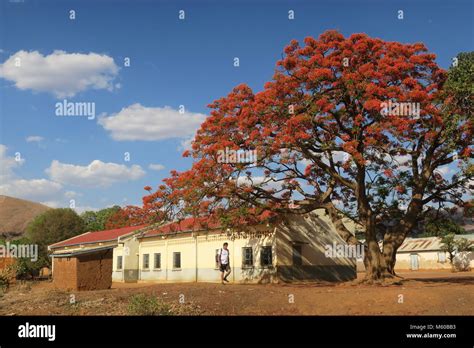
[176, 260]
[266, 256]
[146, 261]
[119, 263]
[247, 257]
[157, 264]
[297, 258]
[442, 257]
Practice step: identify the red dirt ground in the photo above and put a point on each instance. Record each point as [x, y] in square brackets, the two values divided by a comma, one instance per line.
[424, 293]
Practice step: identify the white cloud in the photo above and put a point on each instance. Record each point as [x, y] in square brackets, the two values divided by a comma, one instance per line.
[60, 73]
[445, 171]
[186, 144]
[33, 189]
[66, 204]
[72, 194]
[53, 204]
[259, 181]
[34, 138]
[137, 122]
[7, 164]
[337, 156]
[96, 174]
[157, 167]
[81, 209]
[403, 162]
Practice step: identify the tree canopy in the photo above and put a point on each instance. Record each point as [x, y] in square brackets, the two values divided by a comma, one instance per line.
[51, 227]
[97, 220]
[357, 126]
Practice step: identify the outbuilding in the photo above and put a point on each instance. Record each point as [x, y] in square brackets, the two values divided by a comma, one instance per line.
[84, 262]
[427, 254]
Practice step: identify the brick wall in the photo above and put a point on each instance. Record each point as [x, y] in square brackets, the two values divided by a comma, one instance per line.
[84, 272]
[95, 271]
[65, 273]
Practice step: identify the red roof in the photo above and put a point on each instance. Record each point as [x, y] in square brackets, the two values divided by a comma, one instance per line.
[98, 236]
[187, 225]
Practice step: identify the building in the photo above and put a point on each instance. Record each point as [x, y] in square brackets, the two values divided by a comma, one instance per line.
[84, 262]
[426, 253]
[293, 250]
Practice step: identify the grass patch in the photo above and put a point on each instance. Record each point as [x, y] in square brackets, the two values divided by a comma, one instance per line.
[142, 304]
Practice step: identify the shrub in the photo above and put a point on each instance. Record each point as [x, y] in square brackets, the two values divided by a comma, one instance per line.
[142, 304]
[6, 276]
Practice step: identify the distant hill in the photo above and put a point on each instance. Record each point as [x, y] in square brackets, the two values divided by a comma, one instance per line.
[15, 214]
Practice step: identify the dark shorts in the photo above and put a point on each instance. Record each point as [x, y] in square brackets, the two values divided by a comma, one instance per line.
[225, 267]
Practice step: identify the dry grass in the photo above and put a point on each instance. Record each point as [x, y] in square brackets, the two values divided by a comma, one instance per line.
[441, 293]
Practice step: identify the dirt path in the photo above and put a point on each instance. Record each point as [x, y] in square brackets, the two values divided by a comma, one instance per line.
[425, 293]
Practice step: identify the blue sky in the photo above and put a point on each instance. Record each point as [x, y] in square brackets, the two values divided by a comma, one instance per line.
[173, 62]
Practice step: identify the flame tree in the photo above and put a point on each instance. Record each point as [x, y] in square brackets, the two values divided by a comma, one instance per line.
[357, 126]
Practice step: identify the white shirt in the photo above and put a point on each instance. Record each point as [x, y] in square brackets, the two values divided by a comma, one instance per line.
[224, 256]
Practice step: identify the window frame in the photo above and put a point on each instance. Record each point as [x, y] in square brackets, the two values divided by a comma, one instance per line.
[119, 257]
[244, 257]
[298, 255]
[262, 258]
[154, 261]
[148, 262]
[175, 253]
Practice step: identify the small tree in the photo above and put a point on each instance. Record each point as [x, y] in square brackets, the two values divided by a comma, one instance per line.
[441, 227]
[97, 220]
[458, 251]
[449, 246]
[462, 259]
[50, 227]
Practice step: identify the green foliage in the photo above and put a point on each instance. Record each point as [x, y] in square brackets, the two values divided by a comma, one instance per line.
[25, 267]
[452, 245]
[460, 82]
[54, 225]
[448, 244]
[142, 304]
[51, 227]
[96, 220]
[464, 244]
[441, 227]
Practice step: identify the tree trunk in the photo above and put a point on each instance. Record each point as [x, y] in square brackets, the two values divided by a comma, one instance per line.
[393, 239]
[375, 265]
[390, 256]
[341, 229]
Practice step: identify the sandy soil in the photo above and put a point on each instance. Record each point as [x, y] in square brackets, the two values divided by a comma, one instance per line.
[423, 293]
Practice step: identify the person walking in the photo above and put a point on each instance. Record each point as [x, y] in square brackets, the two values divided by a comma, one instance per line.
[224, 262]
